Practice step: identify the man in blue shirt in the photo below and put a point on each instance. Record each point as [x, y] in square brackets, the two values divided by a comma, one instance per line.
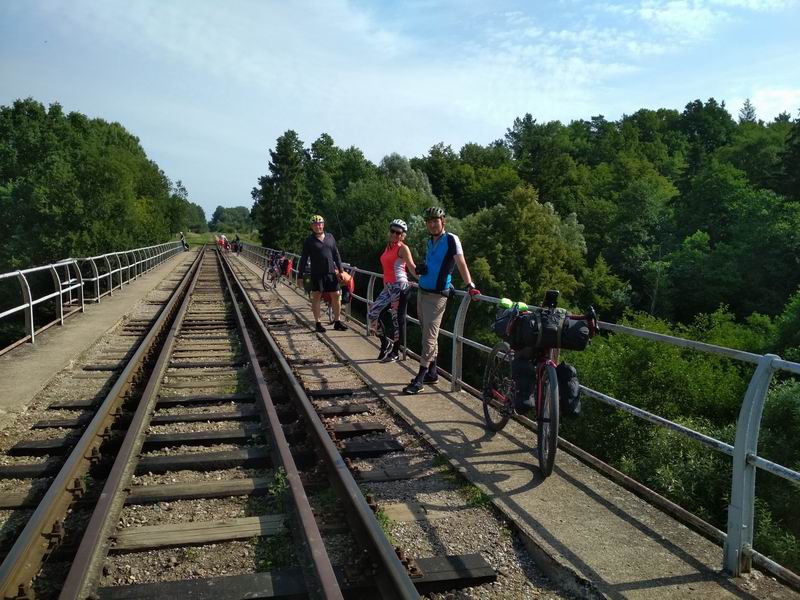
[435, 285]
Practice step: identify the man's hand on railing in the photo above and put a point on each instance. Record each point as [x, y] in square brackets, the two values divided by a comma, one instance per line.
[473, 292]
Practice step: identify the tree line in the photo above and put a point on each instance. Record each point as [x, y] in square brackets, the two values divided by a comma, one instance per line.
[71, 185]
[680, 221]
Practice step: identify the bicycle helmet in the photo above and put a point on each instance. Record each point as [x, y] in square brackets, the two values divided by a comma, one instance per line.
[308, 284]
[399, 223]
[433, 212]
[316, 219]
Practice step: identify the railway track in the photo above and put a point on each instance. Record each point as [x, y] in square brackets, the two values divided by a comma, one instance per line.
[204, 417]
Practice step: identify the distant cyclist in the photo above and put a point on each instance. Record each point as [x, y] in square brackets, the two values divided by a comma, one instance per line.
[320, 248]
[393, 299]
[444, 252]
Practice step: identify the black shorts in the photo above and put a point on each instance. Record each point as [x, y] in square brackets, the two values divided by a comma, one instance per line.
[325, 283]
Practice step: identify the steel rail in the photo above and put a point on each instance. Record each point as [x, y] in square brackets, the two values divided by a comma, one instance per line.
[24, 559]
[391, 578]
[321, 568]
[94, 545]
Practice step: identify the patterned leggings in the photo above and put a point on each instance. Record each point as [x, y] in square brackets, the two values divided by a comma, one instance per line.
[394, 300]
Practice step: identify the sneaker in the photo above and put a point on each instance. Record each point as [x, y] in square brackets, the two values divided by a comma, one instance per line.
[525, 405]
[320, 328]
[430, 378]
[431, 375]
[339, 326]
[415, 387]
[393, 356]
[386, 348]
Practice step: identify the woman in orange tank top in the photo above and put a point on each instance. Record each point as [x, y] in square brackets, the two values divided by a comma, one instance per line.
[393, 299]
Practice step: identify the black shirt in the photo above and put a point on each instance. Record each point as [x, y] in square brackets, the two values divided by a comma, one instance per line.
[323, 253]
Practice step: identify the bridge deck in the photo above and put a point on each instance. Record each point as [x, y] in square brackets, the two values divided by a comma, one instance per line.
[590, 534]
[58, 346]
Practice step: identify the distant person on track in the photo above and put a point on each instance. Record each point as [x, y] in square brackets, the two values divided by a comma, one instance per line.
[183, 241]
[393, 299]
[443, 253]
[326, 264]
[237, 243]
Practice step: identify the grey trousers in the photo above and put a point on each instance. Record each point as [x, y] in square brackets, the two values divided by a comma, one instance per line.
[430, 310]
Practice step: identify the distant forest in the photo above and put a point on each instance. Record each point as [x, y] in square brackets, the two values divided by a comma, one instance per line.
[71, 186]
[683, 222]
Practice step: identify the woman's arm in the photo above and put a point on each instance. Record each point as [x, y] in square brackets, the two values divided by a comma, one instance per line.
[405, 254]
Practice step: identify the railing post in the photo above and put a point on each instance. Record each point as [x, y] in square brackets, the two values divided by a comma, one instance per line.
[57, 284]
[26, 296]
[370, 298]
[737, 558]
[119, 270]
[110, 275]
[96, 274]
[79, 277]
[458, 344]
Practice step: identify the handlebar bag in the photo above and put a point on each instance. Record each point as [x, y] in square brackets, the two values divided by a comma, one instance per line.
[544, 330]
[575, 334]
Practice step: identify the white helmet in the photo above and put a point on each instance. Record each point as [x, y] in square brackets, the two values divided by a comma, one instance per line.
[399, 223]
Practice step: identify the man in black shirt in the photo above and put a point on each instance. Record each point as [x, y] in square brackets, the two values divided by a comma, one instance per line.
[326, 264]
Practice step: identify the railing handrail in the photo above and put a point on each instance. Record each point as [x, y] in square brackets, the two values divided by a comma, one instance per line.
[136, 263]
[738, 547]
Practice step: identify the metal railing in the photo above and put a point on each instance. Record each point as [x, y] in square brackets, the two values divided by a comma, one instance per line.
[77, 281]
[738, 553]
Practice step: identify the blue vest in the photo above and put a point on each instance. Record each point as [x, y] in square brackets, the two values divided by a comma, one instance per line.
[440, 259]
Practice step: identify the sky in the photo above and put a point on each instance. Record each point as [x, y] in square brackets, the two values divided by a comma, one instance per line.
[209, 86]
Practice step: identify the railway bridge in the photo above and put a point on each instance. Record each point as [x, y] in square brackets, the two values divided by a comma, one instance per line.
[588, 530]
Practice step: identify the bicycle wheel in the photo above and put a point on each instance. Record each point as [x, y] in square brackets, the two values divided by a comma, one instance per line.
[547, 418]
[498, 388]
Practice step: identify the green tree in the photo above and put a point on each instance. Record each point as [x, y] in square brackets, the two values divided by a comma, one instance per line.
[282, 200]
[73, 186]
[747, 114]
[522, 247]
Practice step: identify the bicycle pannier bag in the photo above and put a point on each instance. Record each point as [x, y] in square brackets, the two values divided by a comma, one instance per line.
[503, 324]
[545, 328]
[569, 391]
[574, 334]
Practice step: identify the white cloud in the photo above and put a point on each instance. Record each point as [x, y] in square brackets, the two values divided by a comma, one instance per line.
[769, 102]
[682, 18]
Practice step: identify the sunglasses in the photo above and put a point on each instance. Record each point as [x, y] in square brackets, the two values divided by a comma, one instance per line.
[397, 231]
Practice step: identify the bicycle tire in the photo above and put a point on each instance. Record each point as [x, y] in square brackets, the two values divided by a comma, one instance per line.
[270, 280]
[497, 377]
[547, 419]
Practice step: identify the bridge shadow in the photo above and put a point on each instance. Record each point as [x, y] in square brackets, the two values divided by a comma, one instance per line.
[453, 439]
[457, 439]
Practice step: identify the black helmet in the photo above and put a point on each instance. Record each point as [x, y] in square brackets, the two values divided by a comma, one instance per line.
[433, 212]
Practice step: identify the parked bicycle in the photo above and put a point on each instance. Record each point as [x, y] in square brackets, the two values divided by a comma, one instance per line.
[534, 335]
[279, 266]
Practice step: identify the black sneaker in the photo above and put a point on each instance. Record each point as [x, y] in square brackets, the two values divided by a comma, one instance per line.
[415, 387]
[393, 356]
[339, 326]
[320, 328]
[430, 378]
[386, 347]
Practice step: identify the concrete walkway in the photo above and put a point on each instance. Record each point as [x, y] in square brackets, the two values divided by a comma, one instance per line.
[25, 370]
[589, 534]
